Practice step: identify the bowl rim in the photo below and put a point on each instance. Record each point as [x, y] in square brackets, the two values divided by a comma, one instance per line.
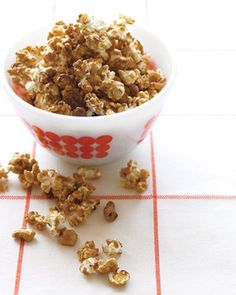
[76, 119]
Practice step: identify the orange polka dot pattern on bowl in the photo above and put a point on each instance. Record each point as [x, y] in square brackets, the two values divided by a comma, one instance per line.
[85, 147]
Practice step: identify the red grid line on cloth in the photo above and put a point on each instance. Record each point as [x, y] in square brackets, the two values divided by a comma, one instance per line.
[155, 219]
[197, 197]
[133, 197]
[96, 197]
[22, 244]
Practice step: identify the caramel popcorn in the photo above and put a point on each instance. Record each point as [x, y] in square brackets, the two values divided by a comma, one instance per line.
[26, 167]
[105, 266]
[118, 278]
[109, 211]
[24, 234]
[112, 247]
[59, 186]
[89, 266]
[37, 220]
[55, 220]
[3, 179]
[134, 177]
[88, 250]
[89, 173]
[87, 68]
[67, 237]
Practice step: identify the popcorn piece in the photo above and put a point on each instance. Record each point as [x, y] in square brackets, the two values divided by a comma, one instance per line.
[129, 77]
[55, 219]
[24, 234]
[29, 178]
[134, 177]
[109, 211]
[67, 237]
[89, 173]
[118, 278]
[26, 167]
[21, 162]
[56, 184]
[105, 266]
[112, 247]
[87, 251]
[89, 266]
[3, 179]
[37, 220]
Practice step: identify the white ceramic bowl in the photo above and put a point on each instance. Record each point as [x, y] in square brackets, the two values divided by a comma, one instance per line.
[92, 140]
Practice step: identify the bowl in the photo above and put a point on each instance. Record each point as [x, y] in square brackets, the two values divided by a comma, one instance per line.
[92, 140]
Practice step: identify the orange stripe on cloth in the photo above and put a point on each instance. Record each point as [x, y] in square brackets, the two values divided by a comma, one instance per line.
[155, 219]
[197, 197]
[22, 244]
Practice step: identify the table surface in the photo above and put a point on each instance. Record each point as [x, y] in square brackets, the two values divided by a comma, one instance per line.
[192, 147]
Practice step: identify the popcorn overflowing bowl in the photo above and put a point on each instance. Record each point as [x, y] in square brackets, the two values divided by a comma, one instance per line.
[111, 101]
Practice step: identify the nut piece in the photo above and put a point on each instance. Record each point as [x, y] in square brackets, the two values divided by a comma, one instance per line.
[89, 266]
[109, 211]
[87, 251]
[112, 247]
[105, 266]
[68, 237]
[134, 177]
[118, 278]
[37, 220]
[3, 179]
[24, 234]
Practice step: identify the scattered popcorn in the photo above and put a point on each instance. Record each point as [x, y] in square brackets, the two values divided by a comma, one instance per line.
[72, 204]
[86, 68]
[87, 251]
[37, 220]
[105, 266]
[89, 266]
[3, 179]
[112, 247]
[109, 211]
[24, 234]
[134, 177]
[118, 278]
[67, 237]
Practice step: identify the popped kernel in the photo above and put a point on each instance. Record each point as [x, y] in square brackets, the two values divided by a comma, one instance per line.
[118, 278]
[26, 167]
[67, 237]
[89, 266]
[84, 67]
[106, 266]
[89, 173]
[37, 220]
[112, 247]
[55, 220]
[109, 211]
[24, 234]
[3, 179]
[88, 250]
[134, 177]
[52, 182]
